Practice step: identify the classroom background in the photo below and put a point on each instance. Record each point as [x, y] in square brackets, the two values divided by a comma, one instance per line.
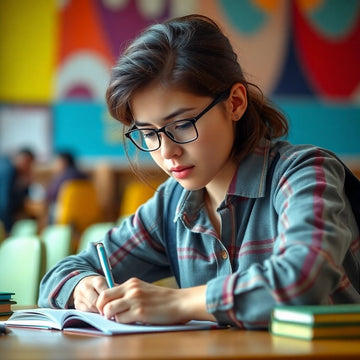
[56, 55]
[55, 60]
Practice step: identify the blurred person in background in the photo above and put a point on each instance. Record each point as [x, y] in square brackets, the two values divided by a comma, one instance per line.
[64, 169]
[15, 179]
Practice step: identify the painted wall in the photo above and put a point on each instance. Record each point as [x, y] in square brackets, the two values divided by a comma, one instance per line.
[55, 58]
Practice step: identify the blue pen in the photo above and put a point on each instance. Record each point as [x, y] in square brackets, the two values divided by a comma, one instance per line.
[105, 264]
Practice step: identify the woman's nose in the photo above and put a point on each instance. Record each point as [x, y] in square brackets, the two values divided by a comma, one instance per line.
[169, 148]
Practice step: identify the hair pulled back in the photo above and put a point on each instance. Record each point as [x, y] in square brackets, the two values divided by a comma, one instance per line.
[192, 54]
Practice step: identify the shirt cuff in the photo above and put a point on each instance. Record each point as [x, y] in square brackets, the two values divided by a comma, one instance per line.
[60, 297]
[220, 298]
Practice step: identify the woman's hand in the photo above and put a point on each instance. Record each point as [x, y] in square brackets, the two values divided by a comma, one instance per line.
[138, 301]
[86, 293]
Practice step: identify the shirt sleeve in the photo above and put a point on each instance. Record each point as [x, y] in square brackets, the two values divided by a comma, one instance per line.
[316, 231]
[135, 249]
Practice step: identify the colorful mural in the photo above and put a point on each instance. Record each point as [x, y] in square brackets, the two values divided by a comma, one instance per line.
[327, 38]
[89, 45]
[59, 54]
[313, 42]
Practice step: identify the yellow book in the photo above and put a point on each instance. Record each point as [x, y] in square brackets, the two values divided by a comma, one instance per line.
[308, 332]
[316, 314]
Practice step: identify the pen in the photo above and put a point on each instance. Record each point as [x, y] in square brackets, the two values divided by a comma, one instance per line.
[105, 264]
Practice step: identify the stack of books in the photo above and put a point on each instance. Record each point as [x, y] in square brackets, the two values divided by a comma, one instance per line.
[316, 321]
[6, 302]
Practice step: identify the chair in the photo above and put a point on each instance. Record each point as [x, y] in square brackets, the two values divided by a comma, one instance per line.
[121, 219]
[57, 239]
[24, 227]
[169, 282]
[135, 194]
[105, 182]
[94, 233]
[77, 205]
[22, 264]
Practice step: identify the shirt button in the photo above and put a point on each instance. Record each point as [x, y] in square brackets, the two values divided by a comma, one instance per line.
[224, 255]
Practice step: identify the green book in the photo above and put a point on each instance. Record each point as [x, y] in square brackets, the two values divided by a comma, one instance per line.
[318, 314]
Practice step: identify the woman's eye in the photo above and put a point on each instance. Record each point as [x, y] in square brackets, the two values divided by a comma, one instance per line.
[148, 134]
[185, 125]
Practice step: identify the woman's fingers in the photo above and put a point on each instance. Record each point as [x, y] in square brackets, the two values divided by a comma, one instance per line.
[138, 301]
[87, 291]
[110, 298]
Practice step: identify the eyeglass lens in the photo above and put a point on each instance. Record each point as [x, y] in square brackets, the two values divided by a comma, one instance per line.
[181, 131]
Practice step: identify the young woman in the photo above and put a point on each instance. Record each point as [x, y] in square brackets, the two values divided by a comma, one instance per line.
[258, 222]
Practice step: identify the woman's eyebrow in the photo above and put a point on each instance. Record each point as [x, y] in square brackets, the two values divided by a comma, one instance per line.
[177, 113]
[168, 117]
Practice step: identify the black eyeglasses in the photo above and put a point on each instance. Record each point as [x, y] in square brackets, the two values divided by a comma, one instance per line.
[179, 131]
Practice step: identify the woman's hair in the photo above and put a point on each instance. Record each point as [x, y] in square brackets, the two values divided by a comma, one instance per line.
[192, 54]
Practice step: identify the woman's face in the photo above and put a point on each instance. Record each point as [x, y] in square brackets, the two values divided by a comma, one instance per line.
[194, 165]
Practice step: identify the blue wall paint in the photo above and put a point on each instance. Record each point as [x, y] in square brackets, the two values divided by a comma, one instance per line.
[83, 127]
[78, 125]
[333, 126]
[86, 129]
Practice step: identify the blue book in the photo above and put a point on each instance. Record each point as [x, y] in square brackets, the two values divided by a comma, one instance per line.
[6, 295]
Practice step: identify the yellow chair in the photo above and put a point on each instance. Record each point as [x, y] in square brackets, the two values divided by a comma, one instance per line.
[24, 227]
[22, 264]
[94, 233]
[169, 282]
[78, 205]
[135, 194]
[57, 239]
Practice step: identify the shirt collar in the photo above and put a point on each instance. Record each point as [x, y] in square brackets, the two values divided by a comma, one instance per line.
[250, 179]
[189, 205]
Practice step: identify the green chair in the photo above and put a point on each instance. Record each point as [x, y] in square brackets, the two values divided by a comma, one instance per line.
[57, 239]
[24, 227]
[121, 219]
[22, 264]
[94, 233]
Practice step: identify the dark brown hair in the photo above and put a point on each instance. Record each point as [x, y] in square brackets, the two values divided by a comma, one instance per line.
[192, 54]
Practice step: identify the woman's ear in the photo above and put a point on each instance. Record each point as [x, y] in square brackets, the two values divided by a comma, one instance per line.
[237, 101]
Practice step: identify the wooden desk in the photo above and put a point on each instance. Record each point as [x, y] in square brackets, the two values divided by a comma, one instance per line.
[26, 344]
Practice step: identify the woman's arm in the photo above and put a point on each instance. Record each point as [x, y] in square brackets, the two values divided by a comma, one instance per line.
[136, 300]
[310, 261]
[134, 250]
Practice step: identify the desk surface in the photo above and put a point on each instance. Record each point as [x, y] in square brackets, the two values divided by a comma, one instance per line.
[28, 344]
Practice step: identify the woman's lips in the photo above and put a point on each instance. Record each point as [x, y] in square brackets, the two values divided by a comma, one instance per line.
[181, 172]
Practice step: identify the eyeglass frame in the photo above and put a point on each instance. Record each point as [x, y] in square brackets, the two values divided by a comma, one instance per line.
[222, 96]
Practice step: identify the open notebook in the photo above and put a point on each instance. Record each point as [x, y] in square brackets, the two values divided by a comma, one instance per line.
[91, 323]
